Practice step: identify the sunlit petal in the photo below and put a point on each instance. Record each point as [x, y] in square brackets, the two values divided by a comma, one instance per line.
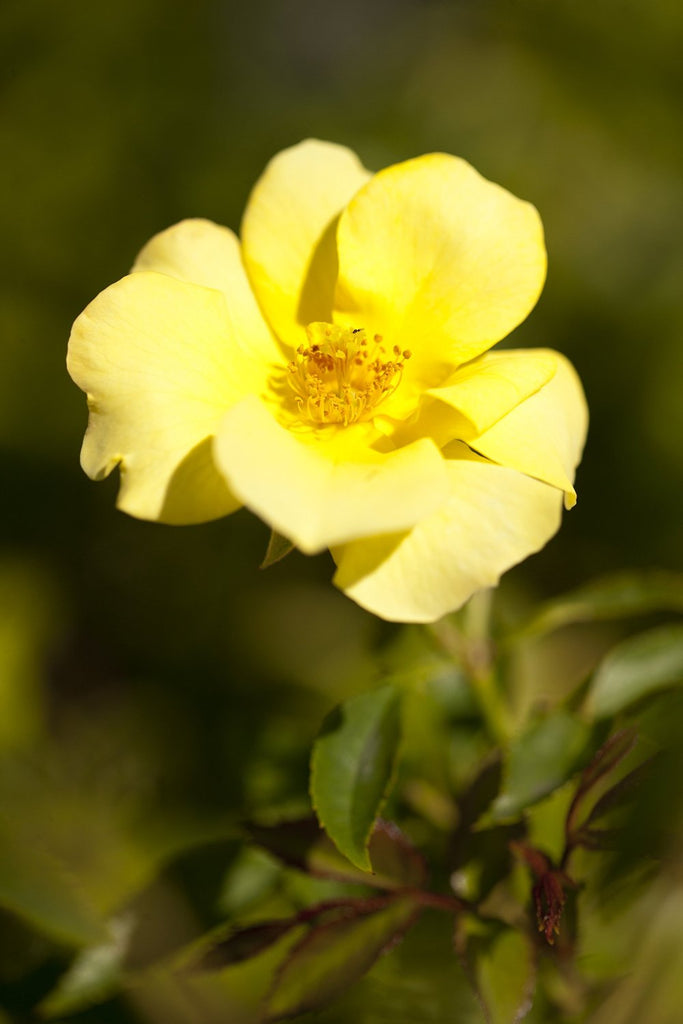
[288, 233]
[160, 365]
[439, 261]
[201, 252]
[333, 375]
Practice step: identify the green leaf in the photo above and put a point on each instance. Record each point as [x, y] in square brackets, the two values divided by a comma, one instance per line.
[94, 975]
[418, 983]
[636, 668]
[506, 976]
[352, 768]
[278, 548]
[612, 597]
[252, 876]
[334, 955]
[538, 761]
[36, 886]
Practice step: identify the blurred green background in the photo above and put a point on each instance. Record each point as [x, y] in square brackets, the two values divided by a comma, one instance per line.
[152, 680]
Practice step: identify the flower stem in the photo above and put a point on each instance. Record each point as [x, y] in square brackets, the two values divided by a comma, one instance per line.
[470, 644]
[485, 688]
[480, 665]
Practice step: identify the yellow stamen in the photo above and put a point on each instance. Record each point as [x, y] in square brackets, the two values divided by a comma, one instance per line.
[341, 377]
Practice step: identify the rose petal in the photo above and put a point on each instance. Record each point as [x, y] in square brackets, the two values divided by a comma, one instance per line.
[161, 365]
[544, 435]
[288, 233]
[439, 261]
[492, 519]
[317, 493]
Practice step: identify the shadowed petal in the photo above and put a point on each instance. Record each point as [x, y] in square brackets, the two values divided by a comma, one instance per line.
[493, 518]
[161, 366]
[288, 233]
[316, 494]
[489, 387]
[544, 435]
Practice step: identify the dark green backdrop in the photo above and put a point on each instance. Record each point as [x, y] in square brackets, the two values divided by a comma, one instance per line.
[154, 673]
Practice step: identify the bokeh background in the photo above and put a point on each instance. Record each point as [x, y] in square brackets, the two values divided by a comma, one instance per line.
[152, 680]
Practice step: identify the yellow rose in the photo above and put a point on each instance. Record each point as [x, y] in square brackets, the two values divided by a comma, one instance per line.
[332, 374]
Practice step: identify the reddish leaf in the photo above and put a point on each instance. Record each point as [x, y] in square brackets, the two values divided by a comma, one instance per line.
[242, 945]
[245, 943]
[304, 845]
[608, 756]
[395, 861]
[336, 954]
[619, 791]
[289, 841]
[549, 891]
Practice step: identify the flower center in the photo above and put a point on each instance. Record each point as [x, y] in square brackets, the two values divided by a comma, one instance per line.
[341, 376]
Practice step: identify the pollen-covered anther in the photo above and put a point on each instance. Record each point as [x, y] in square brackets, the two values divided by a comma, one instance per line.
[340, 377]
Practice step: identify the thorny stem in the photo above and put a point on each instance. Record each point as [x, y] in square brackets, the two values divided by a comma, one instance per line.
[440, 901]
[365, 905]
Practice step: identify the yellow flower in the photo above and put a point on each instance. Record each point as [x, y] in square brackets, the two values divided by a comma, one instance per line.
[332, 374]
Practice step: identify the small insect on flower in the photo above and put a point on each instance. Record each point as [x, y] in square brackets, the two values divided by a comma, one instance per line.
[332, 372]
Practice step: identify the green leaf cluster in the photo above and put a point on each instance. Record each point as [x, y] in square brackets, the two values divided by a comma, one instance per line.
[442, 808]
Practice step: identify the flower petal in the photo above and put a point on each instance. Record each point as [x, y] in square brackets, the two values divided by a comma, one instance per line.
[543, 436]
[489, 387]
[438, 260]
[195, 250]
[160, 365]
[317, 494]
[493, 518]
[201, 252]
[288, 233]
